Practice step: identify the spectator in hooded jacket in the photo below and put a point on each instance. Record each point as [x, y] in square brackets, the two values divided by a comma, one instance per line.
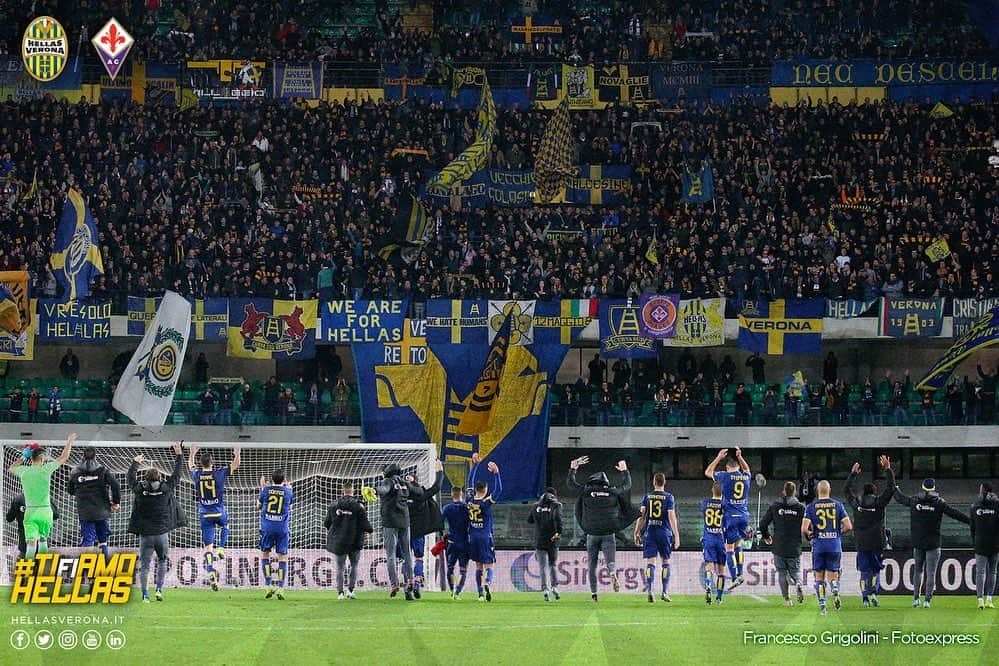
[985, 534]
[347, 523]
[424, 518]
[155, 514]
[546, 516]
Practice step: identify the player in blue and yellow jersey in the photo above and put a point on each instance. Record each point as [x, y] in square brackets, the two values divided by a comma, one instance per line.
[455, 515]
[825, 523]
[735, 482]
[274, 503]
[480, 526]
[209, 491]
[713, 544]
[656, 532]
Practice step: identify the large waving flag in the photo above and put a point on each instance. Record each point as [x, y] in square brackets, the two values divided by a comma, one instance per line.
[410, 227]
[782, 326]
[984, 333]
[698, 187]
[475, 157]
[554, 163]
[76, 257]
[478, 415]
[145, 391]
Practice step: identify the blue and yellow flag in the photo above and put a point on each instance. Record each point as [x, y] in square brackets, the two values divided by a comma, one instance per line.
[599, 185]
[554, 162]
[478, 415]
[17, 329]
[266, 328]
[457, 322]
[476, 156]
[782, 326]
[76, 257]
[699, 186]
[209, 317]
[985, 333]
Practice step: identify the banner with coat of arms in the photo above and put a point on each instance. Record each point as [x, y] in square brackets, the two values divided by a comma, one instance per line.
[659, 315]
[266, 328]
[621, 331]
[701, 323]
[17, 324]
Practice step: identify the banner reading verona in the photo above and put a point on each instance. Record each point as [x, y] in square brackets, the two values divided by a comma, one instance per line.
[345, 322]
[209, 317]
[910, 317]
[267, 328]
[701, 323]
[416, 390]
[621, 332]
[792, 326]
[17, 329]
[73, 320]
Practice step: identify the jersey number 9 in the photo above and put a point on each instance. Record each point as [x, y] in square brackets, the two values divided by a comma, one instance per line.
[738, 490]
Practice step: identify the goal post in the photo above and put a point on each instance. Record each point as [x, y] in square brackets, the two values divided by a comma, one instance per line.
[316, 471]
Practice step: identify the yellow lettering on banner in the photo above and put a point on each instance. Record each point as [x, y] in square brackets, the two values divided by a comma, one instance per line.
[904, 72]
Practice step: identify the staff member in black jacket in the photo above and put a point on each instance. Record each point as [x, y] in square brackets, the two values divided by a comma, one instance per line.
[927, 509]
[15, 513]
[869, 528]
[602, 510]
[546, 516]
[424, 518]
[394, 491]
[786, 515]
[154, 515]
[985, 533]
[97, 494]
[347, 522]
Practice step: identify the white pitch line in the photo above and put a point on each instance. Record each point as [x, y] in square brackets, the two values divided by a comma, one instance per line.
[762, 600]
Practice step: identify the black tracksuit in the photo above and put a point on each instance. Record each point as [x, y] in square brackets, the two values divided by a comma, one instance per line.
[603, 509]
[869, 514]
[985, 524]
[347, 522]
[926, 511]
[95, 490]
[394, 506]
[154, 510]
[786, 514]
[546, 516]
[424, 511]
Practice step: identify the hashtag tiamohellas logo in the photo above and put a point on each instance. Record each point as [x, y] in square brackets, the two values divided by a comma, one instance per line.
[88, 579]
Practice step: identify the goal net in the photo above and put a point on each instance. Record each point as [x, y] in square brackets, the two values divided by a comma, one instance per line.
[316, 472]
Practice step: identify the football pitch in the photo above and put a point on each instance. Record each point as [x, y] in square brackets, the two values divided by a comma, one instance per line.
[241, 627]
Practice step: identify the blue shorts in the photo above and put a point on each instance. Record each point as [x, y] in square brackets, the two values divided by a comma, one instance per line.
[869, 560]
[416, 545]
[657, 543]
[714, 550]
[93, 532]
[826, 561]
[736, 526]
[457, 553]
[480, 549]
[209, 521]
[274, 540]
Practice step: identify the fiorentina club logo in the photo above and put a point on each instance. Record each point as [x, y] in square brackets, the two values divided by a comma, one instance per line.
[113, 44]
[659, 315]
[262, 331]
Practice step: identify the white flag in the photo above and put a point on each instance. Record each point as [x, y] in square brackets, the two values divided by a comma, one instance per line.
[145, 390]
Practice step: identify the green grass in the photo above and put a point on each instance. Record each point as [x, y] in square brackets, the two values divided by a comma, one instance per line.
[241, 627]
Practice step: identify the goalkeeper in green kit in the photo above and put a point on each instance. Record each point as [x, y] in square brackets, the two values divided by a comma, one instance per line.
[35, 475]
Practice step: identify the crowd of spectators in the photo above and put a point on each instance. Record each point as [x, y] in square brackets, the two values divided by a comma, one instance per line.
[747, 32]
[177, 207]
[704, 392]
